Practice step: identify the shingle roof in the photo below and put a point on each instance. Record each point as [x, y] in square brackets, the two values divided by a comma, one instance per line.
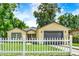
[31, 28]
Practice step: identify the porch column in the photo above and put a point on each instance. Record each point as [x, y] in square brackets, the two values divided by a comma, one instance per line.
[24, 37]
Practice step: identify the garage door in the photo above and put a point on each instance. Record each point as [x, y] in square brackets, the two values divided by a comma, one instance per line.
[53, 34]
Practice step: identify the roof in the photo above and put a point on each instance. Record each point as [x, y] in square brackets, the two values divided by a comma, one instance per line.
[35, 28]
[56, 23]
[31, 28]
[16, 28]
[27, 29]
[74, 30]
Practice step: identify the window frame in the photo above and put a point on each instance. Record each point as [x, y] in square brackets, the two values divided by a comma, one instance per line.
[16, 35]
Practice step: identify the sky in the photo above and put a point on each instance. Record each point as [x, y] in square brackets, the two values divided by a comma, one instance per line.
[25, 11]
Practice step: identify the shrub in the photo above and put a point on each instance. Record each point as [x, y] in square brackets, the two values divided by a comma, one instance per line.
[75, 39]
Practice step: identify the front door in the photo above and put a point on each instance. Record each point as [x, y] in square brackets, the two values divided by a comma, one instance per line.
[31, 36]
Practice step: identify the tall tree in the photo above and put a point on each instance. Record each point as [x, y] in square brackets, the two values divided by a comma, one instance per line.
[7, 19]
[46, 13]
[19, 24]
[69, 20]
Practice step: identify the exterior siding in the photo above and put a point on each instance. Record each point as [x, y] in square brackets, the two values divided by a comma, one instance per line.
[52, 27]
[17, 31]
[40, 32]
[74, 33]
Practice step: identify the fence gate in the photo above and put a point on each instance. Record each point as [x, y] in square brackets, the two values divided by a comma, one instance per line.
[35, 47]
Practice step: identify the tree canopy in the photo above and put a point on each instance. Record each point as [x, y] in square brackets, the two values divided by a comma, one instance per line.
[7, 19]
[69, 20]
[46, 13]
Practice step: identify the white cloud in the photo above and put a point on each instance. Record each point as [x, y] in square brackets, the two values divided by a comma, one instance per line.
[75, 12]
[31, 23]
[21, 15]
[35, 6]
[59, 14]
[28, 17]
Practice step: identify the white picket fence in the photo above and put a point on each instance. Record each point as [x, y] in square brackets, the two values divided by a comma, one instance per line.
[34, 46]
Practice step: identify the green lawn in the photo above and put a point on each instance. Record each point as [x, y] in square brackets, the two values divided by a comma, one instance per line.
[32, 47]
[75, 44]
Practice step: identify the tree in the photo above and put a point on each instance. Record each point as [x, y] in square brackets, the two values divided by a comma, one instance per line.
[5, 10]
[69, 20]
[19, 24]
[7, 19]
[46, 13]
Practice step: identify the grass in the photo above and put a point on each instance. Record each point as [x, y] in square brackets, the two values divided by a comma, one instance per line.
[75, 44]
[33, 47]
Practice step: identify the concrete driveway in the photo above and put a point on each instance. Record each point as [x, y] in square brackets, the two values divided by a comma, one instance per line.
[75, 51]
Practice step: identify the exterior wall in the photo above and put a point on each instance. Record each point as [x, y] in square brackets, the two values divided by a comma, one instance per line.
[40, 32]
[75, 33]
[16, 30]
[52, 27]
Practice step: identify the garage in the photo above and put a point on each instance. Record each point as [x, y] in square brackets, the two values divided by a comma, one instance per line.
[53, 34]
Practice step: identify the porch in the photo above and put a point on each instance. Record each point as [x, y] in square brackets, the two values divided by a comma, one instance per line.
[31, 34]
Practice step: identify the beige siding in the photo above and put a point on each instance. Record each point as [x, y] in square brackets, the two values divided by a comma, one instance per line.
[75, 33]
[16, 30]
[52, 27]
[40, 32]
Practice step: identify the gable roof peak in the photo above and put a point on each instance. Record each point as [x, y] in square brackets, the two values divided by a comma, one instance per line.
[56, 23]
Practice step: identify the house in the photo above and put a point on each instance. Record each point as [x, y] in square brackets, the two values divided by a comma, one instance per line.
[54, 30]
[74, 32]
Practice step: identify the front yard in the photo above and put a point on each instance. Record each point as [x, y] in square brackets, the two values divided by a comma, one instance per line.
[28, 47]
[75, 44]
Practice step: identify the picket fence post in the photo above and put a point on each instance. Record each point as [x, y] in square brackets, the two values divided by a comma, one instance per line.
[70, 44]
[24, 46]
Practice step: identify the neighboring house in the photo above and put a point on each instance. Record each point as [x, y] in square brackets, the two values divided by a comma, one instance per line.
[54, 30]
[74, 32]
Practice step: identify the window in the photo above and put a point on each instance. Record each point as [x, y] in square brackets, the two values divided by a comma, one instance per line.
[16, 35]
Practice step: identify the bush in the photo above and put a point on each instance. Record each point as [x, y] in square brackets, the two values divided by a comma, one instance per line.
[75, 39]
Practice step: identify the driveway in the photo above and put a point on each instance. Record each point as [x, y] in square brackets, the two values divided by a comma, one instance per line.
[75, 51]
